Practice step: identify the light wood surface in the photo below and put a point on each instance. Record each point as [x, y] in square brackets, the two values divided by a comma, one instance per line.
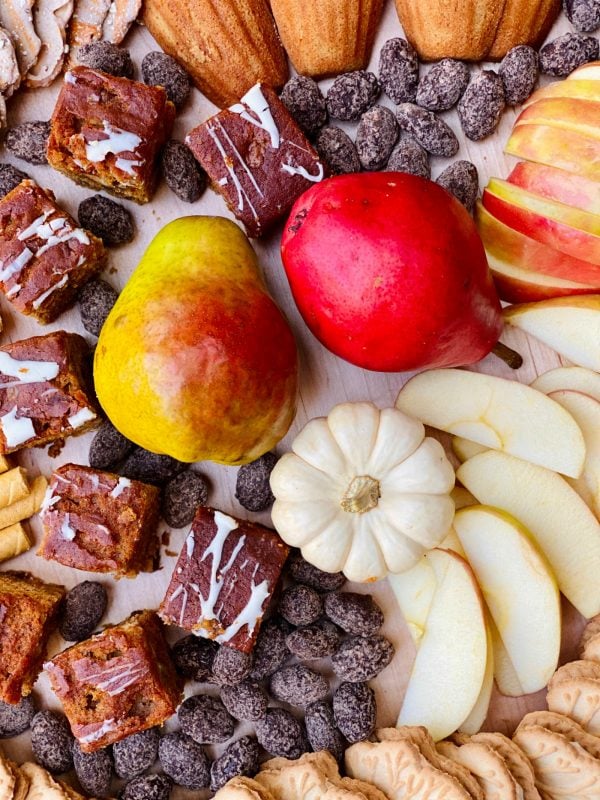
[325, 381]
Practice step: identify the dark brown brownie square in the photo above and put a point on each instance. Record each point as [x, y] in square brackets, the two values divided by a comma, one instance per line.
[224, 579]
[119, 682]
[45, 257]
[107, 132]
[257, 157]
[99, 522]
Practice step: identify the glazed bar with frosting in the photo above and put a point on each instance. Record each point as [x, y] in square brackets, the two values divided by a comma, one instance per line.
[107, 132]
[44, 256]
[118, 682]
[99, 522]
[224, 579]
[257, 158]
[45, 392]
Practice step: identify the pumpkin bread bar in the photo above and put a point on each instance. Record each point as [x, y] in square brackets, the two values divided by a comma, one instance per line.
[107, 132]
[118, 682]
[28, 612]
[99, 522]
[224, 579]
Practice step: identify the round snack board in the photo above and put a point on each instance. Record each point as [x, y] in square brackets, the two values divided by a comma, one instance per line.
[324, 381]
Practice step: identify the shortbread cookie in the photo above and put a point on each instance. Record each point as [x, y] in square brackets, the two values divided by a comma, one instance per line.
[296, 781]
[323, 761]
[392, 766]
[578, 698]
[488, 767]
[243, 789]
[368, 791]
[21, 789]
[591, 651]
[591, 630]
[8, 780]
[562, 769]
[517, 762]
[573, 670]
[566, 726]
[42, 785]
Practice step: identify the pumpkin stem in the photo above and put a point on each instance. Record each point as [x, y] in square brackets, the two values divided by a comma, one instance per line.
[361, 495]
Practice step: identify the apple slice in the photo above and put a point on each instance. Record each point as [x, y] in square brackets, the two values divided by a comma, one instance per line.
[448, 672]
[578, 379]
[517, 285]
[462, 498]
[558, 185]
[519, 589]
[498, 413]
[586, 413]
[464, 449]
[562, 525]
[556, 148]
[505, 675]
[586, 72]
[580, 89]
[567, 113]
[414, 591]
[569, 325]
[479, 712]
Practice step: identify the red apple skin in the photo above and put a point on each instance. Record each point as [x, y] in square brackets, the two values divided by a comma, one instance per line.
[389, 273]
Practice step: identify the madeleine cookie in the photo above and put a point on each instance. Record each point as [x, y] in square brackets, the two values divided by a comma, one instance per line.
[243, 789]
[488, 767]
[574, 670]
[570, 729]
[517, 762]
[578, 698]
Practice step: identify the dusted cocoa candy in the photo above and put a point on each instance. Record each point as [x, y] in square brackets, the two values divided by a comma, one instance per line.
[298, 685]
[16, 719]
[584, 15]
[442, 87]
[240, 758]
[252, 487]
[108, 220]
[52, 741]
[142, 465]
[355, 711]
[193, 657]
[410, 157]
[183, 174]
[10, 177]
[96, 300]
[375, 137]
[519, 71]
[29, 141]
[461, 180]
[319, 640]
[353, 612]
[184, 761]
[351, 94]
[399, 70]
[322, 731]
[303, 571]
[149, 787]
[300, 605]
[230, 666]
[270, 651]
[567, 52]
[360, 658]
[337, 149]
[94, 770]
[281, 734]
[83, 608]
[160, 69]
[109, 447]
[305, 102]
[106, 57]
[245, 700]
[205, 719]
[482, 104]
[135, 754]
[181, 497]
[430, 131]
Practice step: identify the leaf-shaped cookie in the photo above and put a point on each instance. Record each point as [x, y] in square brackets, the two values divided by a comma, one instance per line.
[517, 762]
[575, 669]
[243, 789]
[562, 769]
[50, 18]
[297, 781]
[21, 789]
[578, 698]
[487, 766]
[400, 770]
[559, 723]
[16, 16]
[321, 760]
[10, 75]
[369, 791]
[42, 785]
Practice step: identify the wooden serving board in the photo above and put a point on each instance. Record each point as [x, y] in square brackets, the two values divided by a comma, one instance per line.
[325, 381]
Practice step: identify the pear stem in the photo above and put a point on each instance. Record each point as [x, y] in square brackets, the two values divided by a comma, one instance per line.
[508, 355]
[361, 495]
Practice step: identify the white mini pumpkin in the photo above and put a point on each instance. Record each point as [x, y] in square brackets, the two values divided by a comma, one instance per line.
[364, 491]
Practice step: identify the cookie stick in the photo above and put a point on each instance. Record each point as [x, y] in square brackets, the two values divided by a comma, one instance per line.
[26, 507]
[14, 540]
[14, 486]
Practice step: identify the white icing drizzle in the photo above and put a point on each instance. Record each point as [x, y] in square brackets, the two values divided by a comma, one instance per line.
[107, 726]
[95, 481]
[26, 371]
[255, 100]
[118, 141]
[30, 231]
[15, 266]
[66, 531]
[190, 543]
[49, 500]
[45, 295]
[70, 78]
[127, 165]
[2, 613]
[223, 182]
[292, 170]
[63, 235]
[14, 290]
[242, 193]
[121, 485]
[251, 611]
[16, 430]
[81, 417]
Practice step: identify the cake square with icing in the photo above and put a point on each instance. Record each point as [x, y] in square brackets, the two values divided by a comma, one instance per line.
[257, 158]
[45, 257]
[107, 132]
[118, 682]
[224, 579]
[45, 390]
[28, 615]
[99, 522]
